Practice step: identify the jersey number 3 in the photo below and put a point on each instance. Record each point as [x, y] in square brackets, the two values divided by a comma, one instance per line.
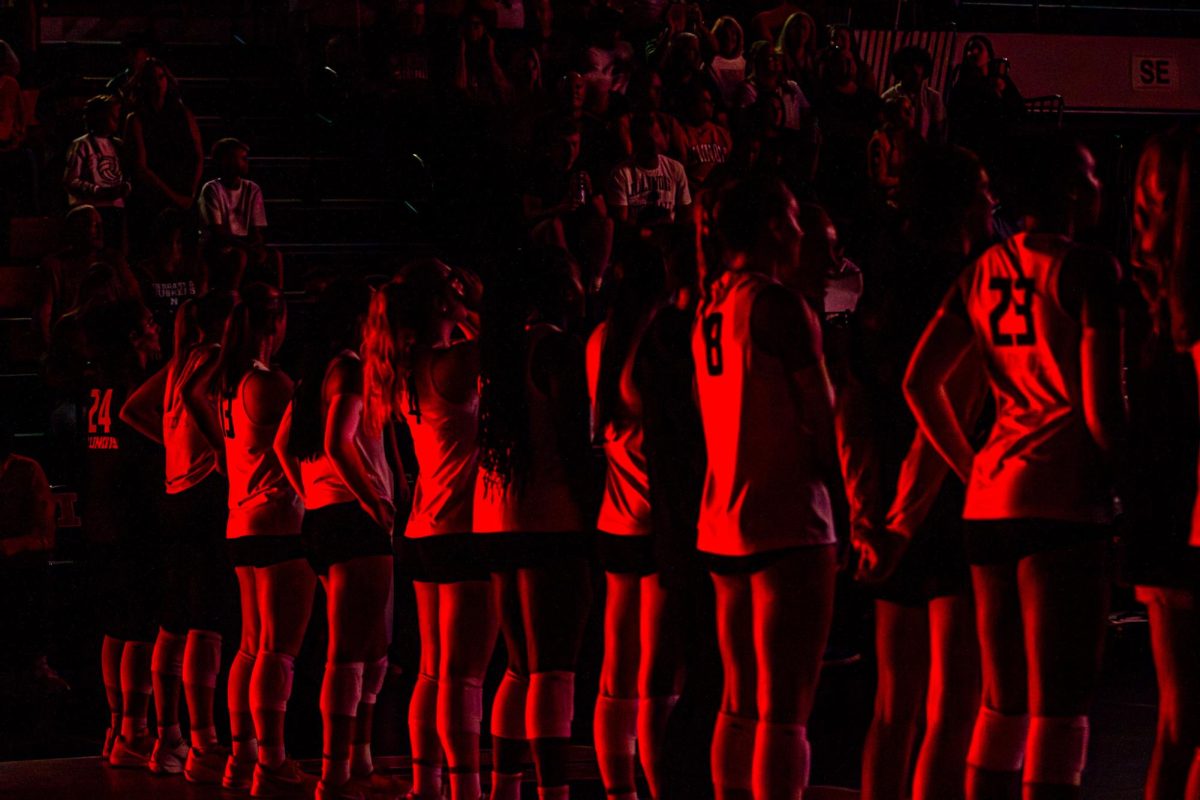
[227, 416]
[712, 344]
[100, 413]
[1008, 288]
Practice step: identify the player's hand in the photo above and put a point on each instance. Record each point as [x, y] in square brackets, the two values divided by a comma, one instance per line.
[879, 552]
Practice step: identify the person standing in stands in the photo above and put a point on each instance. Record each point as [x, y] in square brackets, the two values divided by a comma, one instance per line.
[232, 208]
[93, 175]
[912, 66]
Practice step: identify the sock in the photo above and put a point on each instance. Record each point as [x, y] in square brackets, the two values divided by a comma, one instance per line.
[110, 669]
[245, 750]
[341, 690]
[135, 680]
[271, 755]
[204, 738]
[360, 759]
[733, 752]
[422, 732]
[781, 758]
[241, 722]
[465, 786]
[202, 658]
[505, 787]
[554, 793]
[615, 733]
[170, 734]
[334, 771]
[652, 716]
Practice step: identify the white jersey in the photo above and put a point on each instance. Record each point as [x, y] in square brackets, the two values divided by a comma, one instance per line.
[261, 501]
[762, 490]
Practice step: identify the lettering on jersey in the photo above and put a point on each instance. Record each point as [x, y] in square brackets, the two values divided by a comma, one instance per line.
[1022, 306]
[171, 293]
[713, 357]
[651, 190]
[104, 443]
[707, 153]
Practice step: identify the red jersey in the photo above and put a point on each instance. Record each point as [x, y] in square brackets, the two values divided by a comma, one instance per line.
[261, 501]
[1040, 460]
[625, 509]
[763, 490]
[445, 439]
[190, 458]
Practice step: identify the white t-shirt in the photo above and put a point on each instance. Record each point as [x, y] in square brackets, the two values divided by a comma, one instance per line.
[728, 73]
[242, 207]
[650, 192]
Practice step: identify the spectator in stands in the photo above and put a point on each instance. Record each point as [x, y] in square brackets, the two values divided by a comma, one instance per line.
[645, 96]
[768, 77]
[607, 62]
[844, 106]
[706, 143]
[767, 25]
[26, 541]
[683, 68]
[173, 272]
[649, 189]
[93, 175]
[843, 36]
[892, 144]
[235, 217]
[18, 169]
[912, 66]
[728, 64]
[983, 101]
[797, 45]
[164, 151]
[136, 48]
[64, 271]
[478, 72]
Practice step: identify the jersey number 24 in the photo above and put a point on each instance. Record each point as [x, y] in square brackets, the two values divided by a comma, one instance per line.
[100, 412]
[1023, 308]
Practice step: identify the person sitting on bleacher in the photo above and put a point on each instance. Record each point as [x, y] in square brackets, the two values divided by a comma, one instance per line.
[93, 175]
[64, 271]
[236, 219]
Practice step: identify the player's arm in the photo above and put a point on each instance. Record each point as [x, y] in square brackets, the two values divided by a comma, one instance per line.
[946, 341]
[198, 393]
[1095, 275]
[342, 421]
[289, 463]
[143, 410]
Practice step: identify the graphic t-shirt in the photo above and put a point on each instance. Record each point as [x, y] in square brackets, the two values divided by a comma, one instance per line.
[242, 207]
[652, 195]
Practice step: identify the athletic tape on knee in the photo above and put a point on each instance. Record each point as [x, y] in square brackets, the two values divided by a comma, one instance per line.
[135, 668]
[202, 658]
[508, 709]
[1057, 750]
[460, 708]
[550, 705]
[998, 742]
[271, 684]
[374, 674]
[781, 760]
[241, 673]
[733, 752]
[168, 654]
[615, 726]
[341, 689]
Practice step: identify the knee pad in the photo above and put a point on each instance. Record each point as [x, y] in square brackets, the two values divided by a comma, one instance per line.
[271, 685]
[550, 705]
[781, 757]
[374, 674]
[733, 752]
[615, 725]
[460, 706]
[998, 742]
[241, 672]
[508, 709]
[341, 689]
[135, 668]
[1057, 750]
[168, 654]
[202, 658]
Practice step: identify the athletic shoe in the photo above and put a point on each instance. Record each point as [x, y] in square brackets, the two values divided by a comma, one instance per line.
[350, 790]
[110, 738]
[206, 766]
[168, 759]
[133, 754]
[286, 780]
[378, 786]
[238, 774]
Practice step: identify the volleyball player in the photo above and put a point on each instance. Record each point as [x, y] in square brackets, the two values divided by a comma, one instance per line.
[120, 526]
[417, 371]
[275, 581]
[188, 646]
[642, 669]
[342, 474]
[926, 647]
[529, 502]
[1160, 553]
[1043, 312]
[765, 524]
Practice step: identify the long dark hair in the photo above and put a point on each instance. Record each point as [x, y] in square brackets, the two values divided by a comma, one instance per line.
[536, 286]
[639, 288]
[260, 309]
[334, 326]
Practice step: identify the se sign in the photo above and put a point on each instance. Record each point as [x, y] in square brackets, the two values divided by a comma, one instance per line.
[1155, 73]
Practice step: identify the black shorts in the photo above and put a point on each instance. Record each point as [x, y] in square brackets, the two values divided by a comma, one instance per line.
[443, 558]
[264, 551]
[1166, 563]
[1007, 541]
[934, 565]
[504, 552]
[755, 562]
[200, 589]
[337, 533]
[626, 555]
